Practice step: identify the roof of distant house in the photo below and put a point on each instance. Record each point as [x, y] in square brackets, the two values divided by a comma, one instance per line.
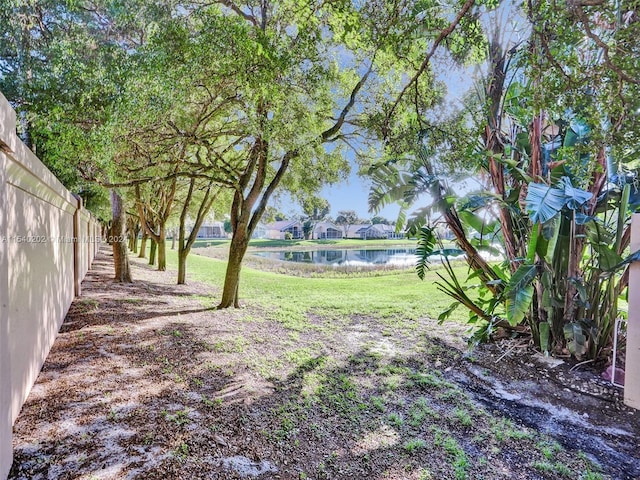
[327, 225]
[281, 225]
[384, 227]
[355, 229]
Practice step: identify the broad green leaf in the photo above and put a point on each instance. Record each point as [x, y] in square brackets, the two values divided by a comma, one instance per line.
[544, 202]
[547, 244]
[426, 242]
[544, 331]
[446, 313]
[517, 304]
[634, 257]
[576, 197]
[520, 293]
[577, 133]
[474, 221]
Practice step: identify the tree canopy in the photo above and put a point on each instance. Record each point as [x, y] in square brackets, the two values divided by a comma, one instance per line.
[177, 105]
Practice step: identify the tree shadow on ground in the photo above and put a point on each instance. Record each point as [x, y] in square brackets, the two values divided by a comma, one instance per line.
[129, 393]
[369, 417]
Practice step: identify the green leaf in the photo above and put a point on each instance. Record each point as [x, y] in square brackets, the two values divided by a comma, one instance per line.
[518, 303]
[522, 143]
[473, 220]
[582, 291]
[544, 331]
[576, 339]
[577, 133]
[575, 197]
[634, 257]
[447, 313]
[519, 293]
[477, 200]
[544, 202]
[426, 242]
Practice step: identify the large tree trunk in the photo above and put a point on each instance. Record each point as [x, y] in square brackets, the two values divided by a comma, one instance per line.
[118, 237]
[182, 266]
[237, 249]
[143, 246]
[136, 232]
[152, 252]
[162, 250]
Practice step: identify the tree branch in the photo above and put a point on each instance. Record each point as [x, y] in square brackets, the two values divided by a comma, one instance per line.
[238, 11]
[443, 34]
[330, 132]
[577, 7]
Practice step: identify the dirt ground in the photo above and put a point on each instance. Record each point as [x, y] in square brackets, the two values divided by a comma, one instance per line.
[150, 381]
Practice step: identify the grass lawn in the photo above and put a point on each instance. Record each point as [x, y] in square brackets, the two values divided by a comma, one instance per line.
[399, 295]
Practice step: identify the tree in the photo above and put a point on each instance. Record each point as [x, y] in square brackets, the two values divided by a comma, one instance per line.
[309, 65]
[227, 226]
[118, 242]
[346, 218]
[315, 209]
[546, 200]
[63, 64]
[377, 219]
[209, 193]
[272, 214]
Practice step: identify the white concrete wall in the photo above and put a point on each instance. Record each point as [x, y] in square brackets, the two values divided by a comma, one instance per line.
[632, 377]
[6, 419]
[45, 252]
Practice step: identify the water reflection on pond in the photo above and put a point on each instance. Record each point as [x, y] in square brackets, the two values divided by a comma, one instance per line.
[394, 257]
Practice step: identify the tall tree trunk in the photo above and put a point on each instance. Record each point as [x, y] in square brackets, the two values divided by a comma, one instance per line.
[173, 239]
[136, 232]
[184, 243]
[118, 237]
[237, 250]
[493, 144]
[156, 234]
[143, 246]
[244, 219]
[162, 250]
[182, 267]
[152, 252]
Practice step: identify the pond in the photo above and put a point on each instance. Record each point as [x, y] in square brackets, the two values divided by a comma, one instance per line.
[391, 257]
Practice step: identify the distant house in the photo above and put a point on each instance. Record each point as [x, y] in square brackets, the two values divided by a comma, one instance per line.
[212, 230]
[381, 231]
[278, 230]
[323, 230]
[355, 231]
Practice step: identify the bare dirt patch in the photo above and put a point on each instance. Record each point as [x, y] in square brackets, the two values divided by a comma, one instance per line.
[150, 381]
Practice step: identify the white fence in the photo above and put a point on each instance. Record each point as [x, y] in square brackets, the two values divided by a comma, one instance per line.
[47, 243]
[632, 376]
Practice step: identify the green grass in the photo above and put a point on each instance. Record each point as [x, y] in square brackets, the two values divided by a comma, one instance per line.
[400, 296]
[414, 444]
